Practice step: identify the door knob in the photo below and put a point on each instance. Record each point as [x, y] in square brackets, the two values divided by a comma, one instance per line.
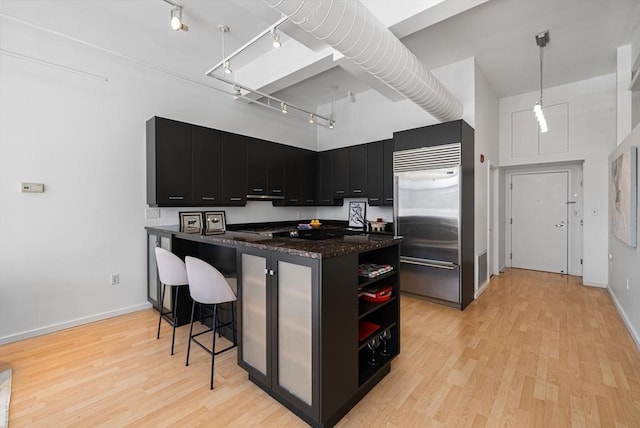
[561, 224]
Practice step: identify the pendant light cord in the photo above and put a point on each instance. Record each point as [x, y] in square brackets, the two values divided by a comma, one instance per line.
[541, 61]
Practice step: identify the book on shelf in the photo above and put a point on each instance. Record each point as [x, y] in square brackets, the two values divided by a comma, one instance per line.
[371, 270]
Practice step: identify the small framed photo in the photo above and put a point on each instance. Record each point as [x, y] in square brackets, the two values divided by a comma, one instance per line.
[357, 214]
[190, 221]
[214, 222]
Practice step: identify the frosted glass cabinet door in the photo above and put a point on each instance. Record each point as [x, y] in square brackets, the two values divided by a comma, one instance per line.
[254, 312]
[295, 330]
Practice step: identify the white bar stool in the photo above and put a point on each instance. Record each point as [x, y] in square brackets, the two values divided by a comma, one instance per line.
[209, 287]
[172, 272]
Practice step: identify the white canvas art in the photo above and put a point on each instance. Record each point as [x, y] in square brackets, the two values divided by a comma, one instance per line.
[623, 196]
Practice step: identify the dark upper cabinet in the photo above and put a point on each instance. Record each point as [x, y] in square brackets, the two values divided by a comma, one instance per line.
[325, 179]
[257, 161]
[375, 167]
[309, 177]
[234, 169]
[276, 164]
[380, 172]
[207, 165]
[168, 162]
[266, 163]
[357, 170]
[387, 172]
[340, 172]
[300, 177]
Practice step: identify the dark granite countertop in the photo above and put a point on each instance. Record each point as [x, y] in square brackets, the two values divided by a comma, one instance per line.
[315, 249]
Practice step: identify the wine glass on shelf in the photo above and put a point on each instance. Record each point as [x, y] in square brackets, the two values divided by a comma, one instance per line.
[384, 338]
[373, 344]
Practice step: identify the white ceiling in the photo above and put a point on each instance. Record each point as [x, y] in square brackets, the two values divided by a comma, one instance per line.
[499, 33]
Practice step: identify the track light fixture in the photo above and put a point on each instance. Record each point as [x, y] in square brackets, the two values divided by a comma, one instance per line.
[276, 38]
[255, 96]
[176, 19]
[542, 39]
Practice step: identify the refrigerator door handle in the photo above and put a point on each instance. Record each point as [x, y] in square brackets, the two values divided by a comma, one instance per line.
[419, 262]
[395, 204]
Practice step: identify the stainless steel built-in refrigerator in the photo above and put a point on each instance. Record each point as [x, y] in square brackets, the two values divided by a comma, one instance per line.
[427, 201]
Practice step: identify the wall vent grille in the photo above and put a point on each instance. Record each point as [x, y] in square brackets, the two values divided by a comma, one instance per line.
[483, 276]
[443, 156]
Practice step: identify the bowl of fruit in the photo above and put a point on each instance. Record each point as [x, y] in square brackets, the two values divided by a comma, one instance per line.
[315, 223]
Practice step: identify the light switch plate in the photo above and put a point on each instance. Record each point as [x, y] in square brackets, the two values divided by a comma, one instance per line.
[32, 187]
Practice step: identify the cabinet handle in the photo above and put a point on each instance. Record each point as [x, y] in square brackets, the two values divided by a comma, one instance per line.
[258, 190]
[374, 199]
[339, 192]
[309, 200]
[235, 199]
[293, 200]
[176, 198]
[389, 199]
[276, 191]
[208, 198]
[326, 200]
[357, 191]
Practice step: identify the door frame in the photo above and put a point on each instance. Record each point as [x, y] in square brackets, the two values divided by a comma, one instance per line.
[574, 239]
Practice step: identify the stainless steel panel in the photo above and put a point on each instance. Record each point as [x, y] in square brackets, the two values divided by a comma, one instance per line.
[427, 213]
[430, 278]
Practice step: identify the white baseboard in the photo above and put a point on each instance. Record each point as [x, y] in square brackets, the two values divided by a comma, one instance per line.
[482, 289]
[72, 323]
[594, 284]
[632, 331]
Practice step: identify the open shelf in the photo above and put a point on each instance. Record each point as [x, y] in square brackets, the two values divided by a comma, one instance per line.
[366, 369]
[363, 282]
[365, 308]
[363, 343]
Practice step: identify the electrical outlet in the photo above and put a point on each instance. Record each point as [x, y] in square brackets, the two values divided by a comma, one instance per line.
[115, 278]
[151, 213]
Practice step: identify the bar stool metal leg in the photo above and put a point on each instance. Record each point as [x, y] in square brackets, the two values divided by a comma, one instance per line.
[160, 308]
[213, 347]
[193, 309]
[173, 314]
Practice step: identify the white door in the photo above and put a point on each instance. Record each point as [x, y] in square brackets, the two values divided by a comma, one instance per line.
[539, 221]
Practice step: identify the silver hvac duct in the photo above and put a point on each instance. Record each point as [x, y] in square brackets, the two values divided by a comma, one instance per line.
[349, 27]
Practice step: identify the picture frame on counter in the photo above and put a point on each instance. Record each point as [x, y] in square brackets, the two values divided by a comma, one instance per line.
[357, 214]
[190, 221]
[214, 222]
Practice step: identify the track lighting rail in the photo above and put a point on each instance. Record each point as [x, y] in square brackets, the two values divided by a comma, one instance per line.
[247, 45]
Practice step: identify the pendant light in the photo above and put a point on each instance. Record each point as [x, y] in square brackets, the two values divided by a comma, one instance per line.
[542, 39]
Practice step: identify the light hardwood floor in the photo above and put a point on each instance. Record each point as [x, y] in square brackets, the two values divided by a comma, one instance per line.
[536, 350]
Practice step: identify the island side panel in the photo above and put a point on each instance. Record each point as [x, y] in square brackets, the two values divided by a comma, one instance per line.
[339, 344]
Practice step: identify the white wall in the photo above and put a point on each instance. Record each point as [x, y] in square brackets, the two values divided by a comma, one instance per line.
[486, 142]
[592, 135]
[373, 117]
[623, 265]
[85, 140]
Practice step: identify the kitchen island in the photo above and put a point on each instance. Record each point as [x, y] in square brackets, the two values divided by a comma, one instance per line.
[306, 338]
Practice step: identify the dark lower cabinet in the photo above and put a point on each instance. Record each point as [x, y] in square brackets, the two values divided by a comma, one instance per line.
[154, 287]
[300, 329]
